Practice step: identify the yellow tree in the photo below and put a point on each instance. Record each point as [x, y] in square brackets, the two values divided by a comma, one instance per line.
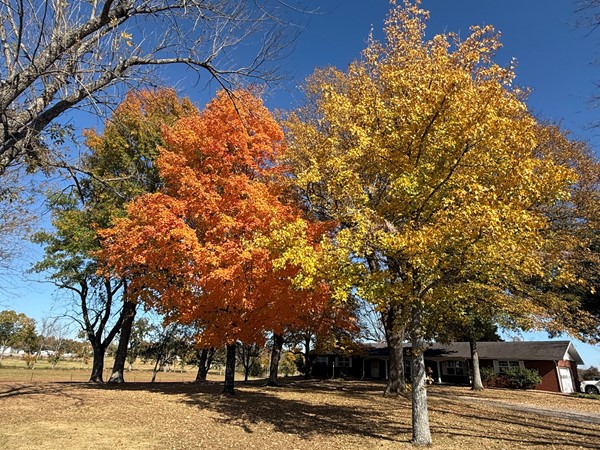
[575, 227]
[426, 155]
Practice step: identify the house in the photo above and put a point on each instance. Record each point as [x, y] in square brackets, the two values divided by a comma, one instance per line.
[556, 362]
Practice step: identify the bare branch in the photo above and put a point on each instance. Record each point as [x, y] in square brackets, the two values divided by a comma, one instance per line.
[60, 53]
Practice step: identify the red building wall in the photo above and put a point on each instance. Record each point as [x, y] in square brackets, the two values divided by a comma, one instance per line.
[547, 370]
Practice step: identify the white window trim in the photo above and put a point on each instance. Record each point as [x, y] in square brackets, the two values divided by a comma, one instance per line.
[445, 368]
[348, 358]
[497, 364]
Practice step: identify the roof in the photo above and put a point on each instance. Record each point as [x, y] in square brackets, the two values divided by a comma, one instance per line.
[518, 350]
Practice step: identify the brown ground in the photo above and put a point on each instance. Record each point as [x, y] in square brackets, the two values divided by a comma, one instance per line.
[316, 415]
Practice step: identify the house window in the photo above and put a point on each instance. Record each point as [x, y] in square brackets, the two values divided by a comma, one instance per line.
[454, 368]
[343, 361]
[322, 360]
[501, 365]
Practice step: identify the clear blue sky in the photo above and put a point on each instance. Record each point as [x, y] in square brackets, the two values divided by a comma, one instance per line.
[556, 59]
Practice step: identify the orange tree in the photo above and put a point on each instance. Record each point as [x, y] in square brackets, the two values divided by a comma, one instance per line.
[197, 249]
[426, 155]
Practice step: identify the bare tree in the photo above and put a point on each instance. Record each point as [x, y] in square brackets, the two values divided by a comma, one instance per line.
[58, 53]
[588, 12]
[248, 355]
[16, 220]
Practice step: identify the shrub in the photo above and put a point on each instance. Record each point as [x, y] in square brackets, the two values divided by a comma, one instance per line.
[30, 360]
[511, 378]
[519, 378]
[488, 374]
[493, 380]
[257, 370]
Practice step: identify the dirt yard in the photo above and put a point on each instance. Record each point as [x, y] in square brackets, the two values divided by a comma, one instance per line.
[316, 415]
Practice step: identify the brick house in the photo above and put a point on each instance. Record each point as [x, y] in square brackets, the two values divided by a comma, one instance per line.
[556, 362]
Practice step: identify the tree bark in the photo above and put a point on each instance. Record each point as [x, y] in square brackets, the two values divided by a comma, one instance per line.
[156, 368]
[128, 315]
[228, 387]
[98, 364]
[67, 60]
[477, 385]
[246, 367]
[394, 335]
[205, 357]
[95, 328]
[275, 357]
[307, 364]
[421, 434]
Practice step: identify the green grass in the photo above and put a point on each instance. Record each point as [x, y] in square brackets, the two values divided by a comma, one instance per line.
[589, 396]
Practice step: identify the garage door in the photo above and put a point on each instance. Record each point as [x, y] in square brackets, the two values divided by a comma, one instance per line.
[566, 381]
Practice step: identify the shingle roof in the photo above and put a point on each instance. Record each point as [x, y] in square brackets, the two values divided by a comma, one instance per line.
[518, 350]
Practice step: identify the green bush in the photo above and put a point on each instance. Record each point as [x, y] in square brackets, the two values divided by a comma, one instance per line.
[488, 374]
[519, 378]
[511, 378]
[257, 370]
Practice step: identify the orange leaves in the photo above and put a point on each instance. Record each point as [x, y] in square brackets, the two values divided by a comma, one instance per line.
[192, 250]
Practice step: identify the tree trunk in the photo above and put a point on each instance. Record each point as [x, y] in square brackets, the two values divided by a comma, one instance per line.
[307, 364]
[421, 434]
[205, 357]
[96, 328]
[228, 387]
[275, 357]
[98, 364]
[477, 384]
[246, 370]
[394, 335]
[128, 315]
[157, 364]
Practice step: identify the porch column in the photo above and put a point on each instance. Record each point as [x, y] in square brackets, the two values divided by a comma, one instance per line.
[439, 371]
[386, 369]
[363, 372]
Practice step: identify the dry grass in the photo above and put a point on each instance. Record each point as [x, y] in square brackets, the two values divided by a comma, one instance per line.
[301, 415]
[79, 375]
[15, 369]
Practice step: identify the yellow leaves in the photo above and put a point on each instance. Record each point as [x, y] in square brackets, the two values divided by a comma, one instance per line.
[127, 38]
[405, 184]
[429, 160]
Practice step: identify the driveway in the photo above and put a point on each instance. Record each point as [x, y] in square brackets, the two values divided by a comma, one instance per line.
[549, 412]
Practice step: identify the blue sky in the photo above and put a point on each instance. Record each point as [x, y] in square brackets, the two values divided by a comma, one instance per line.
[556, 59]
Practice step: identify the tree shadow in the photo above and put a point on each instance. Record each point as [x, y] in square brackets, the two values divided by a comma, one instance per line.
[39, 389]
[521, 426]
[255, 404]
[329, 410]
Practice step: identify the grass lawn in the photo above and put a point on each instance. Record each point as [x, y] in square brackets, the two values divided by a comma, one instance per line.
[15, 369]
[316, 415]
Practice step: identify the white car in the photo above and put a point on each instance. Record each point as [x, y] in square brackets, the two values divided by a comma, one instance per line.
[591, 386]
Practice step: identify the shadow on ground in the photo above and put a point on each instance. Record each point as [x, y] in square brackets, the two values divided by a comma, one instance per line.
[511, 426]
[308, 408]
[255, 403]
